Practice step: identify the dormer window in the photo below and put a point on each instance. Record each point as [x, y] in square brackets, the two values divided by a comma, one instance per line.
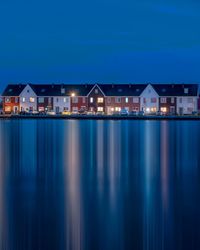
[62, 90]
[185, 90]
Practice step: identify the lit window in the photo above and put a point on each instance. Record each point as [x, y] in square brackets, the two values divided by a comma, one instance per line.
[118, 99]
[135, 99]
[163, 109]
[91, 99]
[75, 99]
[163, 100]
[41, 109]
[23, 99]
[41, 99]
[7, 99]
[100, 109]
[100, 100]
[32, 99]
[126, 100]
[7, 109]
[117, 109]
[96, 91]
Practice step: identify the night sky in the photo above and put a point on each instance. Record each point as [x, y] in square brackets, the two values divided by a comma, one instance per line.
[99, 41]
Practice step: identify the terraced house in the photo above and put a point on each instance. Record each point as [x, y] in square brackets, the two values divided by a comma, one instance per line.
[104, 98]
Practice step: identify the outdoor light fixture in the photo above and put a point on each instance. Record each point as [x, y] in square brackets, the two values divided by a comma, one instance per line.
[72, 94]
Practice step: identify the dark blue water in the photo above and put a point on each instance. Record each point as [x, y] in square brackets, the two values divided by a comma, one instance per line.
[99, 185]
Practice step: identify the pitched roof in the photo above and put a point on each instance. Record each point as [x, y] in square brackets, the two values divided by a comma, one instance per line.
[55, 89]
[13, 89]
[176, 89]
[122, 89]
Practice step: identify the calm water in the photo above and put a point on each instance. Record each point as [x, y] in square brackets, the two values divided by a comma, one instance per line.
[99, 185]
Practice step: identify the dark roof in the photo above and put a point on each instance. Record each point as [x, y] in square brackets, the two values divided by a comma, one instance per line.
[122, 89]
[55, 89]
[176, 89]
[13, 89]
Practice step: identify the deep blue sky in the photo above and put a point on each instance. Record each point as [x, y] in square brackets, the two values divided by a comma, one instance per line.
[99, 41]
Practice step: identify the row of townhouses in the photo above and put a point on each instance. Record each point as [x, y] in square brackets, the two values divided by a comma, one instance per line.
[107, 98]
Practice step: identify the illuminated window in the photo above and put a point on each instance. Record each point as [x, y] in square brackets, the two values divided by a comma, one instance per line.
[135, 99]
[100, 100]
[163, 109]
[7, 109]
[41, 109]
[32, 99]
[126, 100]
[100, 109]
[23, 99]
[91, 99]
[117, 109]
[163, 100]
[41, 99]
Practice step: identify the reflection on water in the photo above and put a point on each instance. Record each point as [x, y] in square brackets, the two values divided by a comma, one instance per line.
[99, 185]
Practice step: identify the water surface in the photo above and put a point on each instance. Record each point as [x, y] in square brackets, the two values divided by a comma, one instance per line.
[72, 184]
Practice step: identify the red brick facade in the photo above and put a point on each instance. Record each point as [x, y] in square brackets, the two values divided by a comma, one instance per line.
[44, 104]
[11, 104]
[167, 104]
[96, 100]
[117, 103]
[79, 102]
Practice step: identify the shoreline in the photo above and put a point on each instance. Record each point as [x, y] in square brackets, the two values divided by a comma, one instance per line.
[100, 117]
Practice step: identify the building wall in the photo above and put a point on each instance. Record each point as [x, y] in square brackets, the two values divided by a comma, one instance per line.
[11, 106]
[28, 99]
[61, 103]
[147, 98]
[78, 102]
[47, 105]
[169, 106]
[93, 103]
[186, 105]
[129, 103]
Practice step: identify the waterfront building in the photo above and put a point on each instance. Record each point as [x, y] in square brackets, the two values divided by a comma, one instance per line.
[27, 99]
[11, 98]
[149, 100]
[122, 96]
[101, 98]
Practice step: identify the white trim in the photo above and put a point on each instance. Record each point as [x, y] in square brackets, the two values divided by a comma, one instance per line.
[96, 85]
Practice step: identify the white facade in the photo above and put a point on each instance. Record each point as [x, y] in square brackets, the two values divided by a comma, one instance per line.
[28, 100]
[149, 100]
[186, 105]
[61, 103]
